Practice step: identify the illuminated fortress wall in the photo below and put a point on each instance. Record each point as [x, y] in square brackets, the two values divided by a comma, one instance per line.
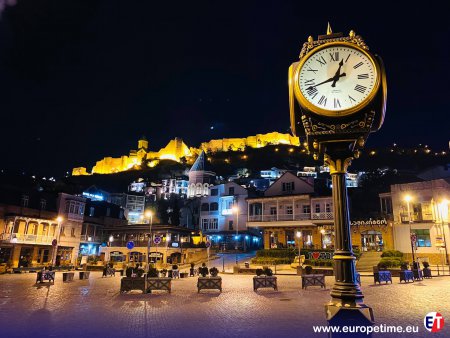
[176, 149]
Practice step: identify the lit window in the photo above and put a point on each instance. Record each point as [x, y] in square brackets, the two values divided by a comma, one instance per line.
[423, 237]
[91, 211]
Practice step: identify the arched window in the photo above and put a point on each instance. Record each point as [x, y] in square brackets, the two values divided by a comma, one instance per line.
[214, 206]
[205, 207]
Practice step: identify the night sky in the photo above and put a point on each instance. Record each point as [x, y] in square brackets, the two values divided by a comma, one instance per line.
[80, 80]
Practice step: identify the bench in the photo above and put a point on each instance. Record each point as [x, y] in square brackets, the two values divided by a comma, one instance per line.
[406, 276]
[209, 283]
[162, 283]
[313, 280]
[265, 282]
[43, 276]
[132, 283]
[382, 276]
[68, 276]
[84, 274]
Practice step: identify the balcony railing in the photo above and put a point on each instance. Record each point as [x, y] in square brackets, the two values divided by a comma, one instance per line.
[321, 215]
[28, 239]
[279, 217]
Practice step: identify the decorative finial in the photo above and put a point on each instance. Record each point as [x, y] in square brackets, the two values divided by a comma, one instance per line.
[352, 34]
[329, 31]
[310, 39]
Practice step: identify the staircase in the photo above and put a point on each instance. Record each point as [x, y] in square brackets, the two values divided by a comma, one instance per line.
[367, 261]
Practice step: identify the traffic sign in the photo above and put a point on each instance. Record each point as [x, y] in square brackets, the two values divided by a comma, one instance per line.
[54, 242]
[413, 238]
[208, 244]
[157, 239]
[130, 245]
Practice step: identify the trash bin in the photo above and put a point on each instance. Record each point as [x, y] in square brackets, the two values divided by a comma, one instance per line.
[247, 265]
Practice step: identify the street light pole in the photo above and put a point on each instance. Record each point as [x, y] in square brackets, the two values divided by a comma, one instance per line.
[441, 214]
[408, 199]
[149, 215]
[236, 211]
[57, 238]
[299, 235]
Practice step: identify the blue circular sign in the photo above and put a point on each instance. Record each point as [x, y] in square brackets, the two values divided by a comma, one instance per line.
[208, 244]
[157, 240]
[130, 245]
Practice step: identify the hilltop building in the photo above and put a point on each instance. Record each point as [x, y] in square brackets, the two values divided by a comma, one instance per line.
[176, 149]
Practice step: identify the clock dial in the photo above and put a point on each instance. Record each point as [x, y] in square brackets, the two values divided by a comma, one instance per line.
[337, 78]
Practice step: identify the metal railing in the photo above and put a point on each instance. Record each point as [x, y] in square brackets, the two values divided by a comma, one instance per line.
[90, 238]
[321, 215]
[27, 238]
[279, 217]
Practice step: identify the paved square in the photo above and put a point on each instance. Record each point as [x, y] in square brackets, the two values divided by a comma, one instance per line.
[95, 308]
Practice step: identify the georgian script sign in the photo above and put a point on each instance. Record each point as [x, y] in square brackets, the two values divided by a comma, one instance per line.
[370, 222]
[320, 255]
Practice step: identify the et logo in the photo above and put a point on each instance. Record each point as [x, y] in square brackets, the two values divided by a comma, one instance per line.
[433, 322]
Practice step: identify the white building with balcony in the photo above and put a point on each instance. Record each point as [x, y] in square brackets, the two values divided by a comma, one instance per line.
[420, 209]
[223, 217]
[287, 208]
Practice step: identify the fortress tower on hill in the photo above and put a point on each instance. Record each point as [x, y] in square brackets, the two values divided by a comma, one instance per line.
[177, 149]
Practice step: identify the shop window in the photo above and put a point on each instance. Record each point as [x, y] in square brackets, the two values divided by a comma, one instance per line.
[423, 237]
[213, 224]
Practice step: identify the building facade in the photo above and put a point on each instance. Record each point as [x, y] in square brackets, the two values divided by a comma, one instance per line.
[291, 215]
[419, 212]
[223, 215]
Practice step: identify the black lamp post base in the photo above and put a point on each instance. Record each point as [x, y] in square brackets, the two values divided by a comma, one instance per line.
[350, 315]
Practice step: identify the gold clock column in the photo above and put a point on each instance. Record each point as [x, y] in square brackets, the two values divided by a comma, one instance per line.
[346, 293]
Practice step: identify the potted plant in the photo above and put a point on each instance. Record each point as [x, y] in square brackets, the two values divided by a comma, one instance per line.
[259, 272]
[426, 270]
[163, 272]
[152, 272]
[264, 279]
[268, 272]
[213, 272]
[212, 282]
[404, 266]
[203, 270]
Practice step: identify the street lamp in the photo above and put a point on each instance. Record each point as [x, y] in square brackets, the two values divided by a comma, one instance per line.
[408, 199]
[322, 232]
[59, 219]
[299, 235]
[149, 218]
[443, 208]
[236, 211]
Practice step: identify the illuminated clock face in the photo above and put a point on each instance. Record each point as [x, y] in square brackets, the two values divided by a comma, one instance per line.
[337, 78]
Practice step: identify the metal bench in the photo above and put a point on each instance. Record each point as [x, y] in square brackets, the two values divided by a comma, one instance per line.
[45, 276]
[382, 276]
[209, 283]
[313, 280]
[406, 276]
[68, 276]
[265, 282]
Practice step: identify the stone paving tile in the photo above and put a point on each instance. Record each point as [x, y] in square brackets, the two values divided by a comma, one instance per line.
[95, 308]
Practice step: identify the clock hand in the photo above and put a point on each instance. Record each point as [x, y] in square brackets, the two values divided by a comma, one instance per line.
[337, 75]
[321, 83]
[326, 81]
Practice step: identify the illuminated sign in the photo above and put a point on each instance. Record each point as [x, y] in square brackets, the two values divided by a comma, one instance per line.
[370, 222]
[227, 211]
[93, 196]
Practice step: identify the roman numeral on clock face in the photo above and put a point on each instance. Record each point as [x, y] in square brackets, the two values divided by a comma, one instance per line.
[360, 88]
[351, 99]
[363, 76]
[334, 56]
[348, 57]
[312, 70]
[323, 100]
[309, 82]
[357, 65]
[337, 104]
[312, 91]
[321, 60]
